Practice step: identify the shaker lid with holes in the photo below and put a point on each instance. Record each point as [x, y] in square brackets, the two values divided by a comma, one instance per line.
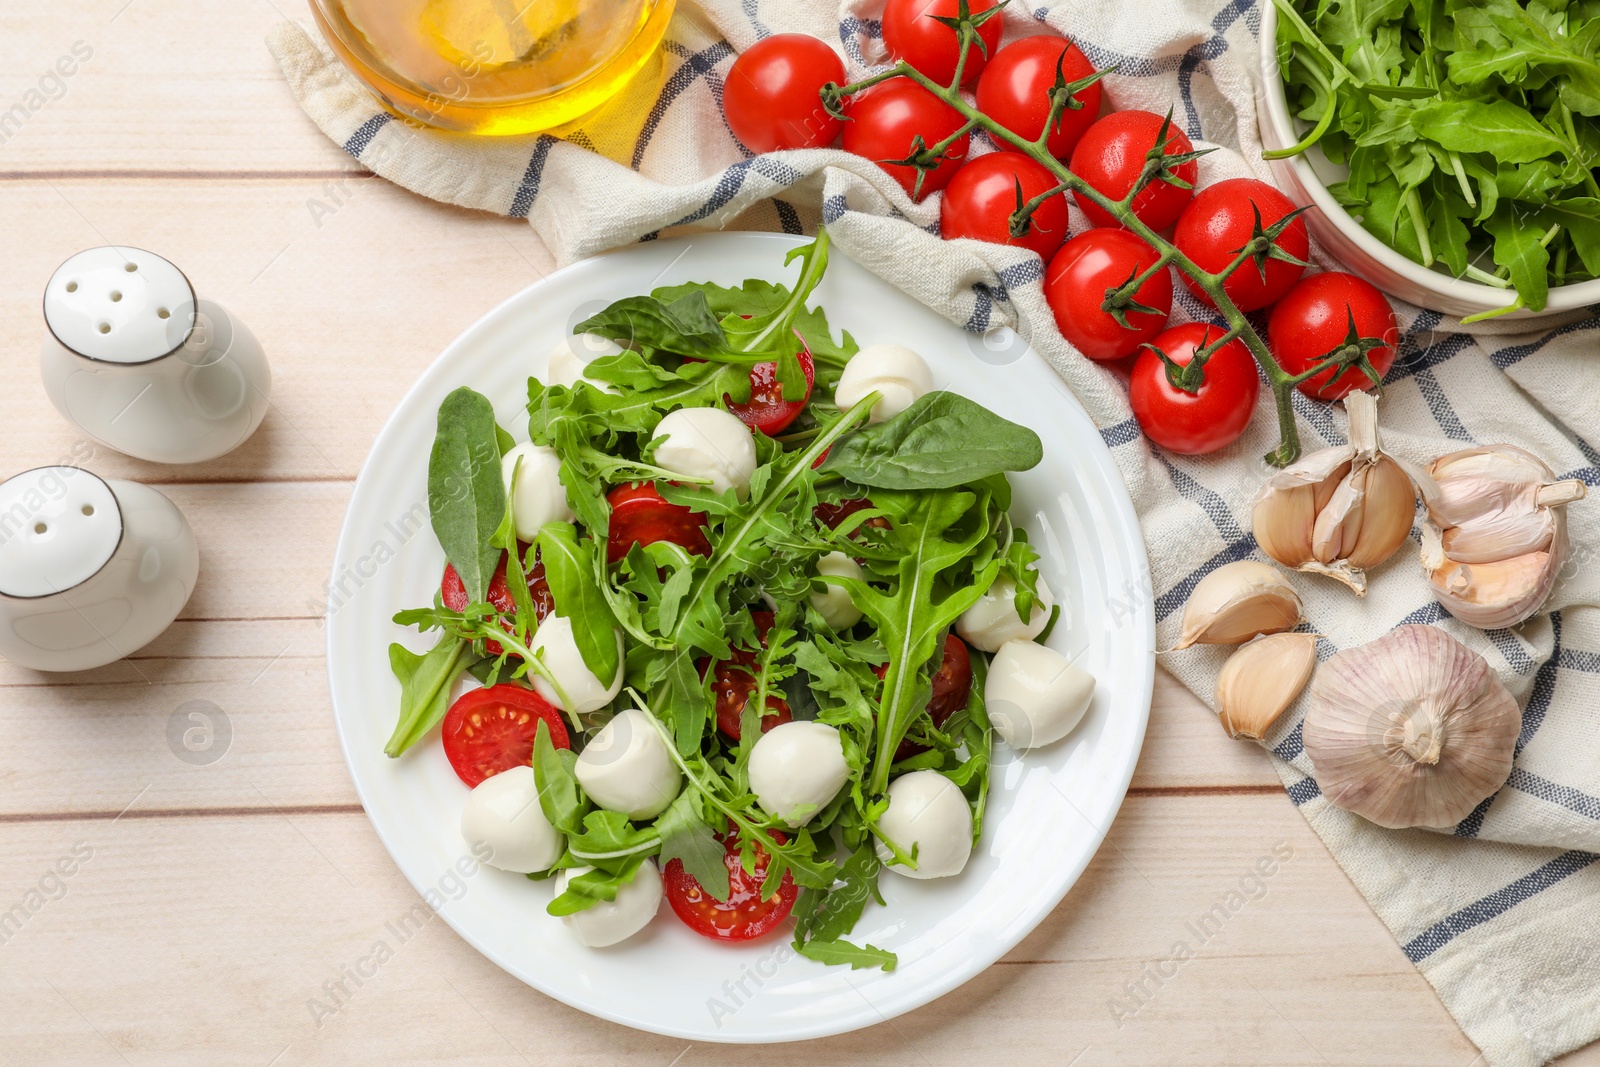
[119, 305]
[58, 527]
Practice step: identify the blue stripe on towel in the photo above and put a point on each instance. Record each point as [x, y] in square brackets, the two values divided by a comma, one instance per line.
[528, 189]
[1495, 904]
[1122, 433]
[695, 66]
[788, 217]
[1555, 793]
[1304, 791]
[358, 141]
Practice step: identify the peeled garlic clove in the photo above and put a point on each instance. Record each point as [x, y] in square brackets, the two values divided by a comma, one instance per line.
[1261, 680]
[1236, 602]
[1410, 730]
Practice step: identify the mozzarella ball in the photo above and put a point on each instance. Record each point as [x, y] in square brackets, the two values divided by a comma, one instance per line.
[993, 621]
[927, 812]
[707, 443]
[1034, 696]
[503, 812]
[626, 767]
[567, 365]
[796, 768]
[538, 496]
[558, 651]
[610, 921]
[835, 605]
[893, 370]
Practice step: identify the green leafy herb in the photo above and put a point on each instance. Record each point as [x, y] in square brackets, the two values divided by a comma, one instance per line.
[941, 441]
[559, 796]
[424, 688]
[685, 836]
[466, 494]
[569, 568]
[684, 325]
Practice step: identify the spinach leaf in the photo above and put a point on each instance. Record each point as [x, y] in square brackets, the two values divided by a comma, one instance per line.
[570, 569]
[466, 494]
[424, 688]
[684, 326]
[941, 441]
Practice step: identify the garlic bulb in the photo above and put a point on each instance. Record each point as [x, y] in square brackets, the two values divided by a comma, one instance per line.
[1340, 510]
[1497, 533]
[1236, 602]
[1261, 680]
[1410, 730]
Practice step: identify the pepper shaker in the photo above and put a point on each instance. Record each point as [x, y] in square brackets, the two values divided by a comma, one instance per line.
[136, 361]
[90, 569]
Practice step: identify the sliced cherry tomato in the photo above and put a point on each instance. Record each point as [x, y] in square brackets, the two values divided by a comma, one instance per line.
[492, 730]
[1111, 157]
[767, 410]
[744, 915]
[454, 594]
[639, 516]
[886, 120]
[1315, 319]
[1193, 424]
[912, 32]
[982, 196]
[771, 96]
[831, 515]
[735, 679]
[1075, 287]
[1015, 92]
[1220, 221]
[952, 684]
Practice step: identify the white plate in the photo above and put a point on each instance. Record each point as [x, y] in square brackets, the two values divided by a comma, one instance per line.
[1048, 812]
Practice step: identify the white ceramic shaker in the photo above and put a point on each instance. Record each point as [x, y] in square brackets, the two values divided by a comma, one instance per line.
[90, 570]
[141, 365]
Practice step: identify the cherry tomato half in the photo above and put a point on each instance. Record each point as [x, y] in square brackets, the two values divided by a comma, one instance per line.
[1214, 417]
[1015, 92]
[1219, 222]
[912, 32]
[454, 594]
[767, 410]
[744, 915]
[1313, 320]
[886, 120]
[1075, 287]
[639, 516]
[735, 679]
[982, 196]
[772, 99]
[492, 730]
[1111, 156]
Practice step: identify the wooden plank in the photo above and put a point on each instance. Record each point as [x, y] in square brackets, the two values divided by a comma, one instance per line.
[222, 929]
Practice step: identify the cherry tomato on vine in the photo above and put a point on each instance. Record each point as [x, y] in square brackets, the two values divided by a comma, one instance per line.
[982, 196]
[1075, 286]
[492, 730]
[1318, 316]
[912, 32]
[1213, 417]
[734, 680]
[772, 99]
[1015, 92]
[454, 594]
[744, 915]
[952, 685]
[1219, 222]
[885, 122]
[639, 515]
[1111, 156]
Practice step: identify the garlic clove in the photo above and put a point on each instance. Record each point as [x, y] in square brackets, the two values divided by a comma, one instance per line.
[1413, 729]
[1495, 594]
[1261, 680]
[1236, 602]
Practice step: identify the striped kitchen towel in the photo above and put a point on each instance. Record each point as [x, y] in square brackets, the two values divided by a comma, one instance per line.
[1499, 913]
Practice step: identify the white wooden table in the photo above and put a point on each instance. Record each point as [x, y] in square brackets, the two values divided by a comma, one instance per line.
[223, 908]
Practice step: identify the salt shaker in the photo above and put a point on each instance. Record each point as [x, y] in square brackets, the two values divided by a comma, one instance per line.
[90, 569]
[141, 365]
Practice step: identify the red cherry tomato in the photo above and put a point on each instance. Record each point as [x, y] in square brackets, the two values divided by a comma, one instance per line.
[454, 594]
[767, 410]
[772, 99]
[1111, 157]
[735, 679]
[1015, 92]
[744, 915]
[912, 32]
[492, 730]
[886, 120]
[982, 196]
[1219, 222]
[831, 515]
[1075, 288]
[1313, 320]
[639, 516]
[952, 684]
[1214, 417]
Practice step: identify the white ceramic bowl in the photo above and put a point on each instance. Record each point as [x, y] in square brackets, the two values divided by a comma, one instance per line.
[1304, 177]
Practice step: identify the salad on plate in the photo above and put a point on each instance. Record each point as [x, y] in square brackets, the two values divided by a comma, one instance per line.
[739, 624]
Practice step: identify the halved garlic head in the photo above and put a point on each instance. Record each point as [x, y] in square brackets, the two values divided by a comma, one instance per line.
[1261, 680]
[1497, 533]
[1413, 729]
[1236, 602]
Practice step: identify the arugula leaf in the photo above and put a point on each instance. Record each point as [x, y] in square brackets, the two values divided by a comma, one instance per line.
[1518, 248]
[941, 441]
[1498, 127]
[466, 493]
[559, 796]
[424, 688]
[686, 837]
[824, 916]
[840, 951]
[569, 568]
[592, 887]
